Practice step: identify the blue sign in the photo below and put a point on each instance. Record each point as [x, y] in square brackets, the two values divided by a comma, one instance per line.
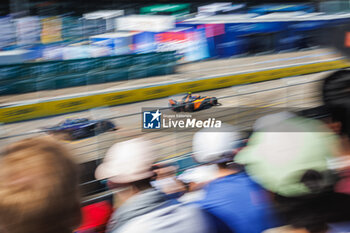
[270, 8]
[118, 43]
[144, 42]
[152, 119]
[307, 25]
[197, 46]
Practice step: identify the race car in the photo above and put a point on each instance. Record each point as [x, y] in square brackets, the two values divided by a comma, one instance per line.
[73, 129]
[191, 103]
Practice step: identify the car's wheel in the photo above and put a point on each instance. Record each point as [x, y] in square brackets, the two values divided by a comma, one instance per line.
[104, 126]
[79, 134]
[109, 126]
[213, 101]
[189, 107]
[176, 109]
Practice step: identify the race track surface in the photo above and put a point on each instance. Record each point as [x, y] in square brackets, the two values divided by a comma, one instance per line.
[301, 92]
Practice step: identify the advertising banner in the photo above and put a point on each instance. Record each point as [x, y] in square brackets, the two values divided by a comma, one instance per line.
[70, 105]
[144, 42]
[120, 97]
[288, 40]
[308, 32]
[245, 28]
[119, 43]
[28, 30]
[71, 28]
[123, 44]
[231, 45]
[32, 111]
[306, 25]
[51, 29]
[149, 23]
[220, 8]
[75, 52]
[269, 8]
[7, 32]
[20, 113]
[189, 42]
[14, 56]
[198, 48]
[52, 52]
[213, 8]
[167, 9]
[92, 27]
[214, 34]
[107, 17]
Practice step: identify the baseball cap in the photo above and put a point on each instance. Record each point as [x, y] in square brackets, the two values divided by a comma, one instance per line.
[211, 146]
[200, 174]
[127, 161]
[278, 160]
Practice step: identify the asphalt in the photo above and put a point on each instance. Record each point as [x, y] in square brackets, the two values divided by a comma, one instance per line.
[299, 92]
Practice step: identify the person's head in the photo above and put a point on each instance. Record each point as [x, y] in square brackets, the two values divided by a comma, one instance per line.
[336, 97]
[313, 212]
[290, 159]
[128, 164]
[216, 147]
[38, 188]
[164, 170]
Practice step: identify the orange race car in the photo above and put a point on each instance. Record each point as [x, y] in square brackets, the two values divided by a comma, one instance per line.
[191, 103]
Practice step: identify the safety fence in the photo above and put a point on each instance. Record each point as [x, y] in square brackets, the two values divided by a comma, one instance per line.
[51, 75]
[56, 106]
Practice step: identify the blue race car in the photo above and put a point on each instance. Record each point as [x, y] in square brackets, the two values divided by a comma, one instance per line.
[79, 128]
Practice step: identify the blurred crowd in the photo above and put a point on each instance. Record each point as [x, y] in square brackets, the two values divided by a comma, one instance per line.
[292, 175]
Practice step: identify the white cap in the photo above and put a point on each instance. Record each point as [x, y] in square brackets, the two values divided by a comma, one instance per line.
[201, 174]
[209, 146]
[127, 161]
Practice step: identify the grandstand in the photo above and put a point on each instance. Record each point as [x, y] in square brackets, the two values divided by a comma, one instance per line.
[62, 60]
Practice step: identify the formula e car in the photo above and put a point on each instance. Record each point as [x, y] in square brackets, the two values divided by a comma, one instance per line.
[79, 128]
[191, 103]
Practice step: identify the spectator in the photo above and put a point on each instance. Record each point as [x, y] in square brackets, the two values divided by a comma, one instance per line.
[235, 202]
[195, 179]
[166, 181]
[336, 97]
[38, 188]
[143, 208]
[290, 159]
